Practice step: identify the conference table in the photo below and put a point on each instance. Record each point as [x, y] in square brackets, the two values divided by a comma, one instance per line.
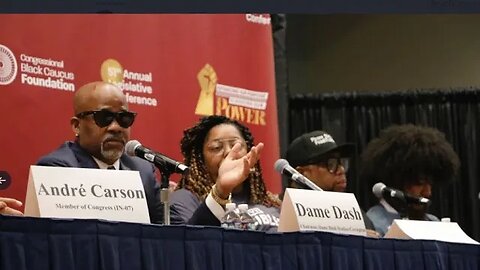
[48, 243]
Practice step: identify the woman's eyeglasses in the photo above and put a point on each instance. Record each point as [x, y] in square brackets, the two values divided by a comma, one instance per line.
[218, 147]
[104, 118]
[332, 164]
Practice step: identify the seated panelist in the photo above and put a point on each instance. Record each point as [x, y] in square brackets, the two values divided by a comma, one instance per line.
[224, 167]
[101, 124]
[318, 157]
[412, 159]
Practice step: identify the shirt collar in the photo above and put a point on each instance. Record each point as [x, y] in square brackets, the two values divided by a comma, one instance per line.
[103, 165]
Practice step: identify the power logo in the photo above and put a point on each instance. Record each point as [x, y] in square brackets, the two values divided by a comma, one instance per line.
[233, 102]
[8, 65]
[207, 79]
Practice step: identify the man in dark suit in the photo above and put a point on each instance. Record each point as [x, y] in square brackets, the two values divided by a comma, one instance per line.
[101, 125]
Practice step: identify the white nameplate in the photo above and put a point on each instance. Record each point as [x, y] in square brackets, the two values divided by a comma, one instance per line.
[310, 210]
[428, 230]
[86, 193]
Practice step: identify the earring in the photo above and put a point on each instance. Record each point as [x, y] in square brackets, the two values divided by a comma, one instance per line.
[76, 134]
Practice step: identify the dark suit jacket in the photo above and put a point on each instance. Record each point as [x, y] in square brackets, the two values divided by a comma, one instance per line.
[70, 154]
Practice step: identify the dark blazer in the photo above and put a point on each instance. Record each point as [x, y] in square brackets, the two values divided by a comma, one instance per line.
[187, 208]
[70, 154]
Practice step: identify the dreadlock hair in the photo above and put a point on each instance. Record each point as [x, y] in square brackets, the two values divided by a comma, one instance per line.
[198, 180]
[404, 154]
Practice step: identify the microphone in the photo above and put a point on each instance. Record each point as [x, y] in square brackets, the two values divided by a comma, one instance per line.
[135, 148]
[283, 167]
[381, 190]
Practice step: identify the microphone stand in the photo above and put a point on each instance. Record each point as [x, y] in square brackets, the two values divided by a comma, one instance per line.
[165, 194]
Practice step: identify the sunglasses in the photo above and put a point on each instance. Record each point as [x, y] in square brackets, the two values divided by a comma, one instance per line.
[104, 117]
[332, 164]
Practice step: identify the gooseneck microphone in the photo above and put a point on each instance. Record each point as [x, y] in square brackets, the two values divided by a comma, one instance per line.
[135, 148]
[283, 167]
[381, 191]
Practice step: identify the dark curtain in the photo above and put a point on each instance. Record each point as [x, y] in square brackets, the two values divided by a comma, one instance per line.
[358, 118]
[279, 27]
[279, 31]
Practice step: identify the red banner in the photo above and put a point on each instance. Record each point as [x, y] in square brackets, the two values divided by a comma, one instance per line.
[167, 65]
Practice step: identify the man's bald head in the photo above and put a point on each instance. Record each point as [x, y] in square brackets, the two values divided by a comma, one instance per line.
[93, 92]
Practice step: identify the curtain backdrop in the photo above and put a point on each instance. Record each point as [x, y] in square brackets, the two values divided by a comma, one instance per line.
[358, 118]
[279, 27]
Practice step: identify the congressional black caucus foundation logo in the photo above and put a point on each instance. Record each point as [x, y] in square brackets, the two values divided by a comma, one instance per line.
[5, 180]
[8, 65]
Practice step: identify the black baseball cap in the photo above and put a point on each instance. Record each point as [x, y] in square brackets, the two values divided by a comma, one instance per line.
[312, 147]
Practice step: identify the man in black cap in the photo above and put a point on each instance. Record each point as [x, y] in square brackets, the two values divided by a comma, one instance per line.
[317, 156]
[320, 159]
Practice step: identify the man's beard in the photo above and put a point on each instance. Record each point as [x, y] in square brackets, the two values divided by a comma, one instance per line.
[112, 154]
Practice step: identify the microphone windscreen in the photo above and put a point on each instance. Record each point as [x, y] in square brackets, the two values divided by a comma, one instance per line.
[377, 189]
[280, 165]
[130, 147]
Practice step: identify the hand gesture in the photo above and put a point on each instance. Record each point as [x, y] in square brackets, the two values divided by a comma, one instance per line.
[7, 206]
[235, 168]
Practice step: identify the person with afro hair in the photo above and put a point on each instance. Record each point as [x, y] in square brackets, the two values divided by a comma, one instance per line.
[224, 167]
[409, 158]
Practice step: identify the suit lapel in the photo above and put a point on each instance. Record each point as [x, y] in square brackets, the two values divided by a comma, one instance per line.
[125, 163]
[84, 159]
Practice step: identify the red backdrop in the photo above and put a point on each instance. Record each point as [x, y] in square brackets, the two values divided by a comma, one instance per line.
[44, 58]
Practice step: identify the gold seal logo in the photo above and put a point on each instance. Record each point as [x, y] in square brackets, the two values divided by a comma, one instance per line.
[111, 71]
[8, 65]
